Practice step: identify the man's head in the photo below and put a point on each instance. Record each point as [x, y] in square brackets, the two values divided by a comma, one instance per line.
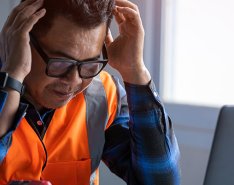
[84, 13]
[76, 32]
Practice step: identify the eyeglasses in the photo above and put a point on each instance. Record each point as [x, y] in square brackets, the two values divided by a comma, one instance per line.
[60, 67]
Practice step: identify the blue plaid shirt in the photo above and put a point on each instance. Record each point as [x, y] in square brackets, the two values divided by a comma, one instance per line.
[140, 146]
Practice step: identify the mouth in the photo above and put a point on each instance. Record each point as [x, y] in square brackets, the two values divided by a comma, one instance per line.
[63, 95]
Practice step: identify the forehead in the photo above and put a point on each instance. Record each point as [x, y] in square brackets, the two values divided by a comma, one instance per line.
[80, 43]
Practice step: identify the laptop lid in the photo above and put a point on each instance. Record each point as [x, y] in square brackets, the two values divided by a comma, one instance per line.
[220, 169]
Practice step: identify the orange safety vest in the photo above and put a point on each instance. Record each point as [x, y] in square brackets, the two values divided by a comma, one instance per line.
[71, 150]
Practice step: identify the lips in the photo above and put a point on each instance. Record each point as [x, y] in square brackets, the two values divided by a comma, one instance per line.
[63, 95]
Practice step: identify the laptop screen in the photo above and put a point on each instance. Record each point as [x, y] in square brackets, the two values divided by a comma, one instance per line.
[220, 169]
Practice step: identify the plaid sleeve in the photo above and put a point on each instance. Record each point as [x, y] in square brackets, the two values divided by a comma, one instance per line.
[5, 141]
[3, 97]
[140, 146]
[156, 154]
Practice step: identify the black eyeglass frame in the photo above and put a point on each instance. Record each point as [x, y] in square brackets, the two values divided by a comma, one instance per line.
[75, 63]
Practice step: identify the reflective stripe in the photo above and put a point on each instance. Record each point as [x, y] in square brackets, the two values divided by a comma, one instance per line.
[122, 97]
[92, 178]
[96, 119]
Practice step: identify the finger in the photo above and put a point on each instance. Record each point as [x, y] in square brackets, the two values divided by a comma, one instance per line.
[27, 26]
[27, 12]
[126, 3]
[118, 16]
[14, 12]
[129, 14]
[109, 39]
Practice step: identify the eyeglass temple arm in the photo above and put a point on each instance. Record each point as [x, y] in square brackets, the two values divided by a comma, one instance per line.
[38, 47]
[104, 51]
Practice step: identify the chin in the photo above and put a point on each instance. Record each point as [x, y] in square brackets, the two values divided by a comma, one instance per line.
[56, 104]
[59, 104]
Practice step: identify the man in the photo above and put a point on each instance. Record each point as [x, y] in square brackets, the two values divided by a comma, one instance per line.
[72, 114]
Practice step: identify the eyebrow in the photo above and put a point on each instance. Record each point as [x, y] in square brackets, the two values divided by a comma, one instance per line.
[65, 55]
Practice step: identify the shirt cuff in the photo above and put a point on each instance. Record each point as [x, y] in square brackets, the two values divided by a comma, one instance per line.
[3, 97]
[140, 97]
[5, 143]
[21, 112]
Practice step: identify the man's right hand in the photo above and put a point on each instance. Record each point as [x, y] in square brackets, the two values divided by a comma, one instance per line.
[15, 50]
[15, 54]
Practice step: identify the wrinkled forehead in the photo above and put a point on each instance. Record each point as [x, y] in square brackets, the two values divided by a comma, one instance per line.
[66, 36]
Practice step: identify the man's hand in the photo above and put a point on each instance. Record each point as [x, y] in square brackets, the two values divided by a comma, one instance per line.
[15, 51]
[126, 51]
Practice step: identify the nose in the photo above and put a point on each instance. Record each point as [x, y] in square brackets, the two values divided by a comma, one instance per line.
[73, 77]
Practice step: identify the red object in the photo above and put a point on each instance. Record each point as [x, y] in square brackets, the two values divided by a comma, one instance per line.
[29, 182]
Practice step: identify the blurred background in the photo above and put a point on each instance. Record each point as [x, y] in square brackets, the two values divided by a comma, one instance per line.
[189, 50]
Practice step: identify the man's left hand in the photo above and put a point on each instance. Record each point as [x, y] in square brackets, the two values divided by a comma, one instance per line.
[126, 51]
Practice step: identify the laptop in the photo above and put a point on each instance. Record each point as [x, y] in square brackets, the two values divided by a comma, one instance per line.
[220, 169]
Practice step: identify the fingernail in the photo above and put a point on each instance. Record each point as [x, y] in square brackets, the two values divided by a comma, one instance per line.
[43, 11]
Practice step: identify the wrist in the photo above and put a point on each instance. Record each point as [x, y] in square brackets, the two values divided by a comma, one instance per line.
[8, 82]
[14, 74]
[137, 76]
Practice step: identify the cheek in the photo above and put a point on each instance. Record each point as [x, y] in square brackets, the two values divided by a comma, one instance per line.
[36, 84]
[38, 65]
[36, 79]
[86, 83]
